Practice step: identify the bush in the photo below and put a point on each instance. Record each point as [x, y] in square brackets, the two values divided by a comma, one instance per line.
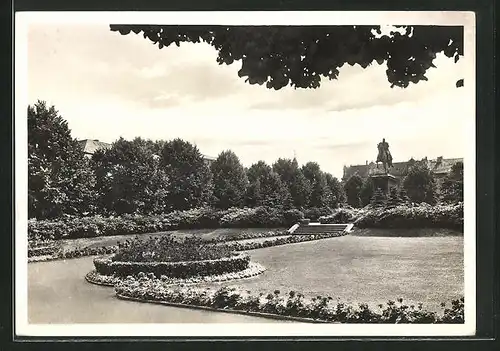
[256, 217]
[292, 217]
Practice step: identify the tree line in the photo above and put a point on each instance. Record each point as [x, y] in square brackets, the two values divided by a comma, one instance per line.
[145, 176]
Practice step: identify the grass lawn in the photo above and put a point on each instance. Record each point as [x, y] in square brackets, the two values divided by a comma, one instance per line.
[366, 269]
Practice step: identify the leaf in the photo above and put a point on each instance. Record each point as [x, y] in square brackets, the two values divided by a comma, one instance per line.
[460, 83]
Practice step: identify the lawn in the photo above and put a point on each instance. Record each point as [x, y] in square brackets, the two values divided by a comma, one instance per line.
[367, 269]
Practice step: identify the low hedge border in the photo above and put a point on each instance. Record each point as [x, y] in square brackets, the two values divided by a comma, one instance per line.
[253, 270]
[292, 305]
[199, 218]
[185, 269]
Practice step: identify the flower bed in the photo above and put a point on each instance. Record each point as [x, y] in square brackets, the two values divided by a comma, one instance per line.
[185, 269]
[111, 280]
[292, 305]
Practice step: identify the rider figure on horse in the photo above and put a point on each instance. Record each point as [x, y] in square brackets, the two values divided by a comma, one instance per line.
[384, 155]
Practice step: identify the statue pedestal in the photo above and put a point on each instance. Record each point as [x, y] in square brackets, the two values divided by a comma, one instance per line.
[384, 181]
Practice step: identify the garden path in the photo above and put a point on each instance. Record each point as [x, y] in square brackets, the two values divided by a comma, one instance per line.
[58, 293]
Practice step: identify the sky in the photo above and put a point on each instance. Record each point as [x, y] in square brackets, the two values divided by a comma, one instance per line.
[108, 86]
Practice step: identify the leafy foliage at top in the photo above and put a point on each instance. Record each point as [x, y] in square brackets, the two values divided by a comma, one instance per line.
[299, 56]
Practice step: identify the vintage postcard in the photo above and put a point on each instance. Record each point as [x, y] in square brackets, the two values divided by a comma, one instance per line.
[222, 174]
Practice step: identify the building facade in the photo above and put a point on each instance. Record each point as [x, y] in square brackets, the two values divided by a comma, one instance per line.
[440, 167]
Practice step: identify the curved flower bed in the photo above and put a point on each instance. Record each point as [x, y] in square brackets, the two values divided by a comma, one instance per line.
[294, 304]
[184, 269]
[112, 280]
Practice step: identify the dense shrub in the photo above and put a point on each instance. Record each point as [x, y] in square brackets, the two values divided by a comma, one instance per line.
[292, 217]
[184, 269]
[422, 216]
[293, 304]
[256, 217]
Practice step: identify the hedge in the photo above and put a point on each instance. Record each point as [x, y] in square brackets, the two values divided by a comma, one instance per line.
[186, 269]
[204, 218]
[422, 216]
[402, 216]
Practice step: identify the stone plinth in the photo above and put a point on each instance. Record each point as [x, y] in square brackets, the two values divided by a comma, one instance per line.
[384, 181]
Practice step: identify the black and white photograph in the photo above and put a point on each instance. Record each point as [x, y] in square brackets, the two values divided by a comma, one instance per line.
[245, 174]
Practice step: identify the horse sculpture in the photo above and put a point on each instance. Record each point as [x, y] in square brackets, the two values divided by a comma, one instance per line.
[384, 155]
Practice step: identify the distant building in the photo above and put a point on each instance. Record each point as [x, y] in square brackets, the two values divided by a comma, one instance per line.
[208, 159]
[90, 146]
[440, 167]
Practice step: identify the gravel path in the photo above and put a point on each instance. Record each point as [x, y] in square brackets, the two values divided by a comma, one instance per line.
[58, 293]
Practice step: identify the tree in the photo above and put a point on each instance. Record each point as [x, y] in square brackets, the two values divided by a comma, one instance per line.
[352, 189]
[59, 178]
[366, 191]
[452, 188]
[129, 178]
[252, 194]
[320, 193]
[272, 192]
[293, 178]
[336, 190]
[300, 55]
[190, 183]
[419, 184]
[229, 179]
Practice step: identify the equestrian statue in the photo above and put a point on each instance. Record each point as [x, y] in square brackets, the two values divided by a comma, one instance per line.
[384, 155]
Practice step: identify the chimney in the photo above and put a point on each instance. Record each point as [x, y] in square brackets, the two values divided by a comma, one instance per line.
[367, 162]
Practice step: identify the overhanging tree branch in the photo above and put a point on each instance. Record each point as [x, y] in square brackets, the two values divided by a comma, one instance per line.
[299, 56]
